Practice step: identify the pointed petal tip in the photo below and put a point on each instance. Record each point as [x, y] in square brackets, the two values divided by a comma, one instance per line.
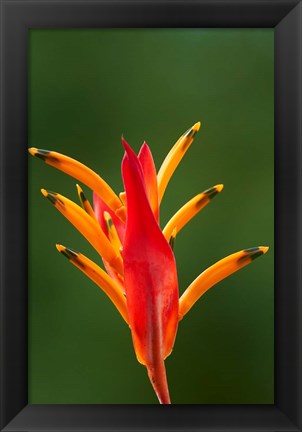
[127, 147]
[80, 194]
[40, 153]
[213, 191]
[196, 127]
[60, 247]
[52, 196]
[190, 133]
[143, 147]
[63, 250]
[67, 252]
[44, 192]
[124, 142]
[129, 150]
[32, 151]
[48, 193]
[255, 252]
[122, 197]
[107, 218]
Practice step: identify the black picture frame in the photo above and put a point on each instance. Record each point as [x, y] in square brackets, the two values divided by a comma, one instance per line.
[17, 17]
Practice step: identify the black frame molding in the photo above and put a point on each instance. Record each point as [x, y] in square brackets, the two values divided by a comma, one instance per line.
[16, 18]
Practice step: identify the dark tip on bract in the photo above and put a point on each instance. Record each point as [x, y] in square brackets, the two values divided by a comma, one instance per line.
[254, 253]
[52, 198]
[172, 242]
[251, 250]
[69, 253]
[63, 252]
[82, 197]
[211, 192]
[250, 255]
[42, 154]
[72, 252]
[190, 132]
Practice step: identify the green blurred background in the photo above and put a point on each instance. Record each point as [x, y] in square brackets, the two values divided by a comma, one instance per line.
[86, 89]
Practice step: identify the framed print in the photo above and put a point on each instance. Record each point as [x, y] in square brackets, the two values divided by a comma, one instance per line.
[78, 76]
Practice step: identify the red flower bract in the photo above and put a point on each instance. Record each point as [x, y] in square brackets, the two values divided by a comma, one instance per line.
[149, 276]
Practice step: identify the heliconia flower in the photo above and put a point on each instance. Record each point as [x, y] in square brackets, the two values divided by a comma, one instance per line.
[141, 275]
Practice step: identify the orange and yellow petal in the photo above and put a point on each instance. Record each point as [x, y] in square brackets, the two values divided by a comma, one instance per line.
[173, 158]
[84, 202]
[80, 172]
[214, 274]
[87, 226]
[189, 210]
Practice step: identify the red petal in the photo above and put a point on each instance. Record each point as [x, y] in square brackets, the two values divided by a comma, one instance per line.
[99, 206]
[149, 172]
[149, 272]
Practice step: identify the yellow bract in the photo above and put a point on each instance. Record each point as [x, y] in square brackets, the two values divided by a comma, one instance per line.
[173, 158]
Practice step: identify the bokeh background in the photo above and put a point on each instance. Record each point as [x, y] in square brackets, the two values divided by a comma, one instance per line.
[86, 89]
